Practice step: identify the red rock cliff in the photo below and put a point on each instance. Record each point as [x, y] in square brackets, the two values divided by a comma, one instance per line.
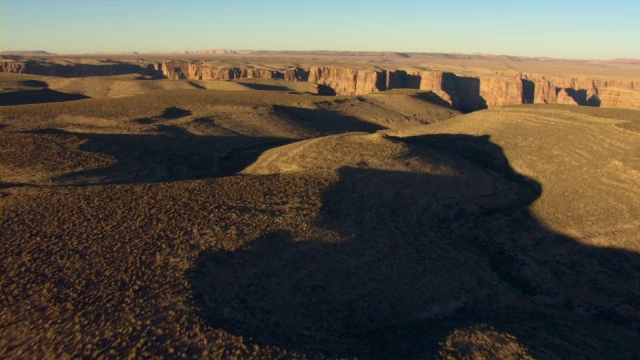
[467, 93]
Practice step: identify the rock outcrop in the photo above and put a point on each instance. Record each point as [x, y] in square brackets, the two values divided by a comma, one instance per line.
[348, 81]
[17, 67]
[466, 93]
[565, 98]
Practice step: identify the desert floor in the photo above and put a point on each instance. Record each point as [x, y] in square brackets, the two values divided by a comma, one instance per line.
[255, 219]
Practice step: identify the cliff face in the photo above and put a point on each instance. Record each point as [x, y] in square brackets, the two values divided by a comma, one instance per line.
[347, 81]
[620, 98]
[498, 91]
[342, 81]
[13, 67]
[75, 70]
[176, 70]
[466, 93]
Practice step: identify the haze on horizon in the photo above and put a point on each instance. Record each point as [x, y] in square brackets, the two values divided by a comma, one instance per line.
[568, 29]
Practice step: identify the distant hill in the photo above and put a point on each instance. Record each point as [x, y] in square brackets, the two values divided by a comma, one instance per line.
[626, 61]
[212, 52]
[26, 52]
[116, 53]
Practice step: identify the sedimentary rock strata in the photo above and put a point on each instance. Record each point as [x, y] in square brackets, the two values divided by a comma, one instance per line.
[72, 70]
[467, 93]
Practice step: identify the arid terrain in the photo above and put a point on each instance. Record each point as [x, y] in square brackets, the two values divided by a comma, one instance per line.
[319, 205]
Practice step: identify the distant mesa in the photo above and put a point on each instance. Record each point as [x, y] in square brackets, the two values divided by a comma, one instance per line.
[117, 53]
[213, 52]
[26, 52]
[626, 61]
[461, 89]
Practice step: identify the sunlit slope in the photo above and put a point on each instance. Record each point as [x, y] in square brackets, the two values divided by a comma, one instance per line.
[173, 133]
[588, 166]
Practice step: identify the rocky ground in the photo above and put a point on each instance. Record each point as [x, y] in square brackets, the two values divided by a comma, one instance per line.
[256, 219]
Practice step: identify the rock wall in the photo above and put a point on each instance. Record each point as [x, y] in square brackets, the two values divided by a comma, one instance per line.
[348, 81]
[499, 91]
[75, 70]
[611, 97]
[176, 70]
[466, 93]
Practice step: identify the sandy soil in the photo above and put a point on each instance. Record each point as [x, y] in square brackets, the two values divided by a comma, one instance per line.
[256, 220]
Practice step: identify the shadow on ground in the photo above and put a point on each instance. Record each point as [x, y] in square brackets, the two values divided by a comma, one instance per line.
[420, 256]
[324, 122]
[37, 97]
[173, 154]
[170, 153]
[34, 83]
[170, 113]
[266, 87]
[430, 97]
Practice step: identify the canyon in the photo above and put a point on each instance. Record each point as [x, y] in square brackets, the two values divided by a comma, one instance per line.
[463, 89]
[314, 205]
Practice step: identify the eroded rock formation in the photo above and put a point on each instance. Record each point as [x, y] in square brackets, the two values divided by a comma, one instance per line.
[467, 93]
[73, 70]
[176, 70]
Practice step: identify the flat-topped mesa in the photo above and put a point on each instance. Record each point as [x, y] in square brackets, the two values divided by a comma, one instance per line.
[75, 70]
[512, 89]
[466, 93]
[176, 70]
[343, 81]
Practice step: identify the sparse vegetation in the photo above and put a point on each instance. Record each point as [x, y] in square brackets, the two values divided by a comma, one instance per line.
[254, 220]
[480, 343]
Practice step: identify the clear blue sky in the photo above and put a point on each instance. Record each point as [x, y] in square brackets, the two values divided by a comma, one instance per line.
[572, 29]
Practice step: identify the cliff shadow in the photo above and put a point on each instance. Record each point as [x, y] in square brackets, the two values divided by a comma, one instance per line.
[37, 97]
[325, 90]
[87, 70]
[581, 97]
[594, 100]
[174, 112]
[196, 85]
[170, 113]
[323, 121]
[464, 92]
[400, 79]
[421, 256]
[169, 155]
[265, 87]
[433, 98]
[34, 84]
[528, 91]
[411, 81]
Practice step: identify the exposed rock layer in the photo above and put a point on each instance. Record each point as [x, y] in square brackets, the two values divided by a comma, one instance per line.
[75, 70]
[467, 93]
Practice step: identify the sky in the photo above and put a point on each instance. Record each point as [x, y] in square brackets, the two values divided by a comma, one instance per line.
[564, 29]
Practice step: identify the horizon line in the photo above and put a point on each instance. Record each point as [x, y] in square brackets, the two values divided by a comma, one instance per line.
[363, 52]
